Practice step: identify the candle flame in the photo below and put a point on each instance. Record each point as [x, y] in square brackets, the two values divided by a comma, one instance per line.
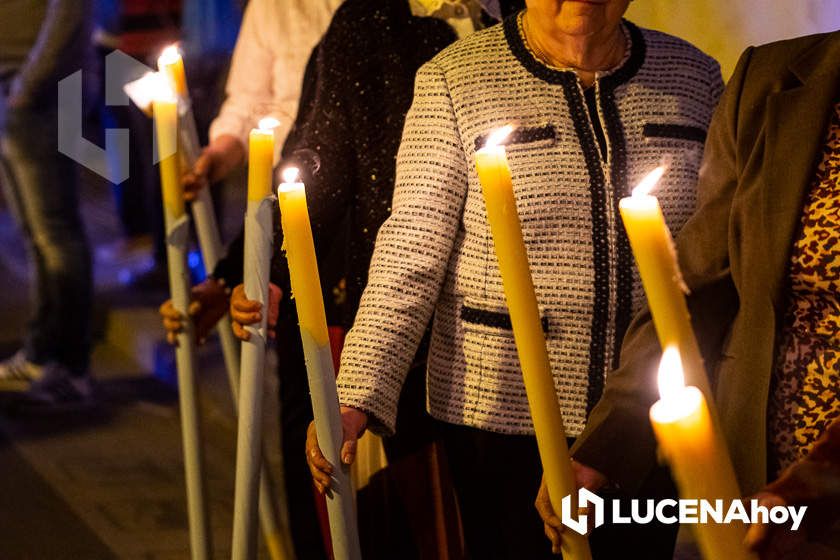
[291, 174]
[498, 136]
[268, 123]
[170, 55]
[160, 90]
[671, 377]
[144, 90]
[649, 182]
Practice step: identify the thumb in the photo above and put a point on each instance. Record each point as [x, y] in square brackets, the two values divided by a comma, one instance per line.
[348, 448]
[203, 164]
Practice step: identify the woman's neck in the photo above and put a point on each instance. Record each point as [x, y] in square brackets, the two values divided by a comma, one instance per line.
[585, 54]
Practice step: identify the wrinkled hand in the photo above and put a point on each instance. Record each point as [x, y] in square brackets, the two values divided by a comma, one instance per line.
[214, 164]
[354, 422]
[585, 477]
[209, 303]
[244, 311]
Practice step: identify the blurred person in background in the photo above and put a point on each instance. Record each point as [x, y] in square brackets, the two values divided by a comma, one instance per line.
[42, 41]
[140, 29]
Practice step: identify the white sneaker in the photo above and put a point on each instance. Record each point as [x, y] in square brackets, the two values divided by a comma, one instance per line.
[17, 374]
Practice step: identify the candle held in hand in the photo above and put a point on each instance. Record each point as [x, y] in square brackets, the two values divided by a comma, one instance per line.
[497, 186]
[656, 258]
[303, 265]
[697, 455]
[306, 291]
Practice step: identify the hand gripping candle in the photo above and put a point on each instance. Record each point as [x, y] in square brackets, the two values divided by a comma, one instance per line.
[258, 248]
[698, 457]
[177, 226]
[496, 184]
[306, 291]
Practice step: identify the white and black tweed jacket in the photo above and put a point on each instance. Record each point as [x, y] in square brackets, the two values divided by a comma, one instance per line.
[435, 256]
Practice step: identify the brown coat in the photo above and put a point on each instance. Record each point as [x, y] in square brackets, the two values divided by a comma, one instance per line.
[762, 148]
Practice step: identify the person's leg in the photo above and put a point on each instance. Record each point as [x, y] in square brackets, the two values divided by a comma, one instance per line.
[44, 190]
[496, 478]
[295, 416]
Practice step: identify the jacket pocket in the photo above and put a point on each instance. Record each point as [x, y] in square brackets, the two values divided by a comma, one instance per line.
[674, 132]
[493, 319]
[543, 135]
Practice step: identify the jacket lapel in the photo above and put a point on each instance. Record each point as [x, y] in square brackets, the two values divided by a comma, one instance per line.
[797, 118]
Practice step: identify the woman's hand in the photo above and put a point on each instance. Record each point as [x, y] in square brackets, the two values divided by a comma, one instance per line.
[215, 163]
[209, 303]
[244, 311]
[585, 477]
[354, 422]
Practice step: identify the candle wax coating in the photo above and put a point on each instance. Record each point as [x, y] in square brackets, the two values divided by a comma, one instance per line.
[700, 464]
[497, 187]
[656, 258]
[166, 129]
[303, 264]
[260, 164]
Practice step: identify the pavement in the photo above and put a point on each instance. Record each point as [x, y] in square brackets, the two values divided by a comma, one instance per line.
[107, 481]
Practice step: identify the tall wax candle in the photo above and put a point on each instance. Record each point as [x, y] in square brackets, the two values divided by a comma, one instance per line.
[306, 291]
[166, 130]
[496, 184]
[303, 264]
[698, 457]
[656, 257]
[258, 249]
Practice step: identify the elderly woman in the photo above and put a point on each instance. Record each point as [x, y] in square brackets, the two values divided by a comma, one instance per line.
[597, 102]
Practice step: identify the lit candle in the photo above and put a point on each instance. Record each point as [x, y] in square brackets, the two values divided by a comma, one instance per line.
[166, 130]
[497, 186]
[656, 257]
[142, 90]
[697, 455]
[171, 65]
[261, 159]
[309, 301]
[256, 272]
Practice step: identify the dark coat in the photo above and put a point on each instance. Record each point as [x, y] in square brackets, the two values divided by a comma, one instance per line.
[763, 146]
[358, 87]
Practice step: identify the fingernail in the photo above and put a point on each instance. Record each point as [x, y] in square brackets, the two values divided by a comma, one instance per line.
[346, 458]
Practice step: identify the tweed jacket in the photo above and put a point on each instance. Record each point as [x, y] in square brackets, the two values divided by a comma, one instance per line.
[764, 143]
[434, 254]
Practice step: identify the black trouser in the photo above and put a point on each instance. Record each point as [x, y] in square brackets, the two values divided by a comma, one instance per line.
[496, 477]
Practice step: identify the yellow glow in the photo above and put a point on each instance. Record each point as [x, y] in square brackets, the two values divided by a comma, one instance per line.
[498, 136]
[290, 175]
[268, 123]
[170, 55]
[649, 182]
[671, 377]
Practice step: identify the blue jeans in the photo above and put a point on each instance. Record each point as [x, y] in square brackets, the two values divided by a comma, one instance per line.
[40, 186]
